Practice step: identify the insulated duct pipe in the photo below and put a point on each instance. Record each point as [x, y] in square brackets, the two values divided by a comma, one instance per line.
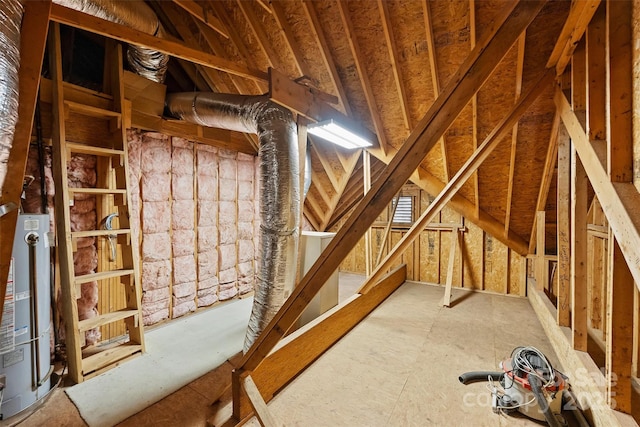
[148, 63]
[10, 22]
[279, 187]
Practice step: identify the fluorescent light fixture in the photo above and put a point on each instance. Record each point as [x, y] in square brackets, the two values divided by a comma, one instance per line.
[334, 132]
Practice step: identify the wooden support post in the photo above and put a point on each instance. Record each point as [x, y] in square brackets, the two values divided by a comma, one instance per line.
[264, 416]
[542, 275]
[455, 243]
[578, 253]
[619, 345]
[35, 24]
[474, 71]
[564, 227]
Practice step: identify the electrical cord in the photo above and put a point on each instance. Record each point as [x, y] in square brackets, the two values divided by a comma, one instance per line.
[531, 361]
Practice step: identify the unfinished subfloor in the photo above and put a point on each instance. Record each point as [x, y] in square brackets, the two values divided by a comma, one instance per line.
[399, 366]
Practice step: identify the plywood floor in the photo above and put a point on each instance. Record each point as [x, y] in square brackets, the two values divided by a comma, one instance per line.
[397, 368]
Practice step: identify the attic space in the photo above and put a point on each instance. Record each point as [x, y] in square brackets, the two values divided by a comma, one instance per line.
[327, 212]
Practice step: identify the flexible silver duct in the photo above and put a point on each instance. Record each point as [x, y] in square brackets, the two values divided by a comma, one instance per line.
[134, 14]
[10, 22]
[279, 187]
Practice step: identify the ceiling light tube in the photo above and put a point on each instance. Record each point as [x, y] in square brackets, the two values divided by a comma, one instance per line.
[335, 133]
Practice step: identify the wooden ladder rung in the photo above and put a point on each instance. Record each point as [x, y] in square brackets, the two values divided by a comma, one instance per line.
[104, 319]
[96, 233]
[90, 149]
[89, 110]
[109, 356]
[103, 275]
[89, 190]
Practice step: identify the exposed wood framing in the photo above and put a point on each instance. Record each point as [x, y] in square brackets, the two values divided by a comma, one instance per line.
[578, 253]
[260, 409]
[574, 27]
[459, 179]
[203, 15]
[362, 73]
[435, 79]
[318, 32]
[474, 106]
[387, 27]
[281, 18]
[619, 200]
[123, 33]
[514, 133]
[258, 32]
[455, 244]
[35, 23]
[387, 229]
[366, 178]
[596, 65]
[542, 273]
[564, 227]
[510, 23]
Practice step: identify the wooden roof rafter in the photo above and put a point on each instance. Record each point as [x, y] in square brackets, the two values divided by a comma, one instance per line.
[514, 132]
[474, 105]
[204, 16]
[362, 73]
[281, 19]
[352, 161]
[435, 79]
[259, 33]
[387, 27]
[325, 52]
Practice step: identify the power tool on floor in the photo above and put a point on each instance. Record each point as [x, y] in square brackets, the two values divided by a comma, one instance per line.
[526, 383]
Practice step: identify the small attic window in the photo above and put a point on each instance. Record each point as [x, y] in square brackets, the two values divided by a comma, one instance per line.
[404, 210]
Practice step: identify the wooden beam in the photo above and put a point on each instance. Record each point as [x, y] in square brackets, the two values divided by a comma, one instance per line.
[328, 169]
[203, 15]
[541, 274]
[325, 52]
[474, 71]
[474, 105]
[514, 133]
[264, 416]
[298, 350]
[596, 74]
[344, 181]
[261, 37]
[35, 23]
[362, 74]
[281, 19]
[619, 200]
[620, 320]
[366, 184]
[387, 229]
[574, 27]
[620, 72]
[466, 171]
[563, 209]
[387, 28]
[578, 253]
[435, 80]
[123, 33]
[547, 173]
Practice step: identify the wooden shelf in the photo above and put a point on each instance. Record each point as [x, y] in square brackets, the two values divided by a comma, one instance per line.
[103, 275]
[96, 151]
[109, 357]
[96, 233]
[104, 319]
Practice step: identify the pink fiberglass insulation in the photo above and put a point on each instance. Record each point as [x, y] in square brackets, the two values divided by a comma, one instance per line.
[81, 172]
[207, 187]
[183, 242]
[246, 255]
[155, 171]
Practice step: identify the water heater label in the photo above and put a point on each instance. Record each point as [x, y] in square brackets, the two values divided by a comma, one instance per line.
[13, 358]
[7, 335]
[31, 224]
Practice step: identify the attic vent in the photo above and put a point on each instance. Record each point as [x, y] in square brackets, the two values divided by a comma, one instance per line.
[404, 210]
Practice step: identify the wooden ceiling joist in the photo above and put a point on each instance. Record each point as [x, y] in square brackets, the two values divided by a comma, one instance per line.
[123, 33]
[281, 19]
[474, 71]
[474, 105]
[259, 33]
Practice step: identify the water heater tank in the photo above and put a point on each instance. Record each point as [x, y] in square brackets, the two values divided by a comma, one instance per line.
[25, 366]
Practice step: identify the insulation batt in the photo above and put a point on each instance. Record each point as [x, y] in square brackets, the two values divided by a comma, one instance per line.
[183, 242]
[10, 20]
[207, 264]
[183, 215]
[156, 247]
[207, 213]
[207, 238]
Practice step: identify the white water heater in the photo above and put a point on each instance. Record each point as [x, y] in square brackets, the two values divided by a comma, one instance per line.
[25, 366]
